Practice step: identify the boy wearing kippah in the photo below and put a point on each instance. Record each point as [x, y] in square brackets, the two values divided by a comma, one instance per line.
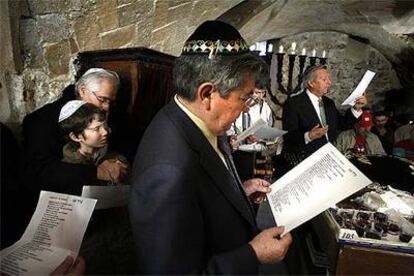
[86, 128]
[107, 245]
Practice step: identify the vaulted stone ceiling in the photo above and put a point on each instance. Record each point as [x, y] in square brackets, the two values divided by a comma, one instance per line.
[43, 36]
[386, 25]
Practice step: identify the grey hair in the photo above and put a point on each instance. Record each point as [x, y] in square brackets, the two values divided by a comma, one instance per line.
[93, 77]
[310, 74]
[225, 71]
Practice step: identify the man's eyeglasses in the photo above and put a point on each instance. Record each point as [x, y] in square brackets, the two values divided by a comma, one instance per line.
[250, 100]
[103, 100]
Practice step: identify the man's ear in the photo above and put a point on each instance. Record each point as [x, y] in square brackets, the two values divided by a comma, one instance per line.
[82, 92]
[310, 83]
[73, 137]
[204, 92]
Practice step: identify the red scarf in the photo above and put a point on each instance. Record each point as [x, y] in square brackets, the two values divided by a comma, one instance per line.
[360, 145]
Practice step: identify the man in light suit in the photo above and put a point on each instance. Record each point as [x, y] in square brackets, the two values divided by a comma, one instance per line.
[311, 118]
[189, 211]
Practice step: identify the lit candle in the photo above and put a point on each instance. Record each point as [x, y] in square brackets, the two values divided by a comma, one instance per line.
[270, 48]
[253, 47]
[293, 47]
[314, 53]
[281, 49]
[303, 52]
[323, 54]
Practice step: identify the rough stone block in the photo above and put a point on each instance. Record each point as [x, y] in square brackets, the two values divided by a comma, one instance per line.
[73, 46]
[86, 31]
[119, 38]
[107, 14]
[30, 43]
[57, 56]
[161, 35]
[127, 14]
[53, 27]
[38, 7]
[144, 34]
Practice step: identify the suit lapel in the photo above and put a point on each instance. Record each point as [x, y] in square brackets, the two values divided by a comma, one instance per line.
[314, 118]
[210, 161]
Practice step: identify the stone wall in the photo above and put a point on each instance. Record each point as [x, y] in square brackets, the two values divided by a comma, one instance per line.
[348, 59]
[43, 37]
[52, 33]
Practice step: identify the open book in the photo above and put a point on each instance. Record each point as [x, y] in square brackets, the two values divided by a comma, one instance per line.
[261, 131]
[317, 183]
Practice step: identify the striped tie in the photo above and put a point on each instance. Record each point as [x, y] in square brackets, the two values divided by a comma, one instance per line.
[224, 147]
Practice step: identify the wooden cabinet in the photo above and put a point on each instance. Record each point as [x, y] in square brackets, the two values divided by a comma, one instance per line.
[146, 86]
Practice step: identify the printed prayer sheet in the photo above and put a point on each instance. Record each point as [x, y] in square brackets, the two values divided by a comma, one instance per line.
[317, 183]
[360, 89]
[261, 131]
[108, 196]
[55, 231]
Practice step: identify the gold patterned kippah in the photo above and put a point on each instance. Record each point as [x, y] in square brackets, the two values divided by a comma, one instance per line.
[215, 47]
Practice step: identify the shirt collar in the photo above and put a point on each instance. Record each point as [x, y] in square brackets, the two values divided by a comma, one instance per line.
[313, 97]
[212, 139]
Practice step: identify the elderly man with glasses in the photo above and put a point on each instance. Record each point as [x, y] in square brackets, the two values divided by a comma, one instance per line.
[311, 118]
[43, 142]
[190, 212]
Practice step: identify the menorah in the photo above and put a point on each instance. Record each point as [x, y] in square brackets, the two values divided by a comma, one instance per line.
[267, 55]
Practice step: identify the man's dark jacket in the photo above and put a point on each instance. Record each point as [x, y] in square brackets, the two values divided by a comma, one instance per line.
[299, 116]
[187, 216]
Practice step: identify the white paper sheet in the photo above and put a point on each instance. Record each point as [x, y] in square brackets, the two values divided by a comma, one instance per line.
[318, 182]
[55, 231]
[360, 89]
[108, 196]
[261, 131]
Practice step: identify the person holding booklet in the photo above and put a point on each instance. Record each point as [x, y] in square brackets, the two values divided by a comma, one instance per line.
[261, 110]
[246, 150]
[190, 212]
[107, 245]
[311, 118]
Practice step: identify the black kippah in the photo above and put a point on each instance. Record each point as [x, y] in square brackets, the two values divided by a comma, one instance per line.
[215, 37]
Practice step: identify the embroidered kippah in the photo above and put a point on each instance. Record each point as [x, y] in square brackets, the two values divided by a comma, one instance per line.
[218, 47]
[215, 37]
[69, 108]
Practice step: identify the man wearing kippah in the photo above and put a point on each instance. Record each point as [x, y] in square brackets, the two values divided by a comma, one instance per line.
[360, 140]
[189, 211]
[43, 140]
[311, 118]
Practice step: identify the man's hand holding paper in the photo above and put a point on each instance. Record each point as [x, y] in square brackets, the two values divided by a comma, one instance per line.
[256, 189]
[359, 91]
[269, 246]
[361, 101]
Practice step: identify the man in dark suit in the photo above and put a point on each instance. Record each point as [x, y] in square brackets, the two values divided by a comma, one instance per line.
[311, 118]
[43, 140]
[189, 211]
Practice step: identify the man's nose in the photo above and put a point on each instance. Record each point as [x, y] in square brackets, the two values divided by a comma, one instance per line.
[105, 107]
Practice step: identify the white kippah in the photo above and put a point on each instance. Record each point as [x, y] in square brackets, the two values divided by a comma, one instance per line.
[94, 70]
[69, 108]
